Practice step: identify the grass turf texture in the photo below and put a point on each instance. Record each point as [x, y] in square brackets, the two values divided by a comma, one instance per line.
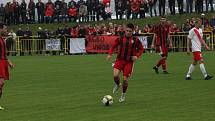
[70, 88]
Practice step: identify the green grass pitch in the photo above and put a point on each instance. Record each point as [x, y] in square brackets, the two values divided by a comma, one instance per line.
[70, 88]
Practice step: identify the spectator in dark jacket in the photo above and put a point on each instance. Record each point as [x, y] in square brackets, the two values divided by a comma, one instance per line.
[64, 11]
[2, 13]
[40, 11]
[23, 11]
[31, 10]
[58, 9]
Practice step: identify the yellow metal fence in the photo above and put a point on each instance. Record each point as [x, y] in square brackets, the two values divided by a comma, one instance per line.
[35, 45]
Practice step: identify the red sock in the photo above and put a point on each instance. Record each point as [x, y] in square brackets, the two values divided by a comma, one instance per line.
[116, 80]
[164, 65]
[159, 62]
[124, 86]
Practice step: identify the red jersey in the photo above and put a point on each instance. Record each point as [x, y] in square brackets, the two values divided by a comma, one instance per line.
[2, 49]
[127, 47]
[162, 32]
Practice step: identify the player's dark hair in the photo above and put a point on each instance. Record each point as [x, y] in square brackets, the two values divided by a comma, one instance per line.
[163, 17]
[130, 25]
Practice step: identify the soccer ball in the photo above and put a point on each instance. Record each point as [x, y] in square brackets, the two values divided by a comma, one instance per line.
[107, 100]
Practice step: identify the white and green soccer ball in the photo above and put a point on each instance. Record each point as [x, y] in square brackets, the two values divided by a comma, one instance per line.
[107, 100]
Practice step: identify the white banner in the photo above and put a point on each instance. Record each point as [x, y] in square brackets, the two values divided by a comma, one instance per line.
[53, 44]
[77, 45]
[144, 41]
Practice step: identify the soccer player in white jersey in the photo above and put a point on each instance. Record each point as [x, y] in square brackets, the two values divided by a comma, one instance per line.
[196, 40]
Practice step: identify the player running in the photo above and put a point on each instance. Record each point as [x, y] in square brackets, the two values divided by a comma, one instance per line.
[129, 50]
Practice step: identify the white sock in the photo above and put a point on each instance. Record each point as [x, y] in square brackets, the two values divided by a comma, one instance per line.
[191, 69]
[202, 67]
[123, 95]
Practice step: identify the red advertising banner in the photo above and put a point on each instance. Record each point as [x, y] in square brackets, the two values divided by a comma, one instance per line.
[99, 44]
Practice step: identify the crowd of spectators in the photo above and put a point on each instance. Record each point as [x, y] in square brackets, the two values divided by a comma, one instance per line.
[94, 10]
[80, 30]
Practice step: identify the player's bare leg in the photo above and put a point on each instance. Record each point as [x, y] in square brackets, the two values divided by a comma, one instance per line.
[164, 65]
[116, 74]
[1, 89]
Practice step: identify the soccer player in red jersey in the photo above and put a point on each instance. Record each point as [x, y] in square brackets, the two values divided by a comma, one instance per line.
[160, 42]
[196, 40]
[4, 62]
[129, 50]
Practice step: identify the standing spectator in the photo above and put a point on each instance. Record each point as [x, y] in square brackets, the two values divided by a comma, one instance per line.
[105, 2]
[74, 32]
[7, 13]
[28, 43]
[49, 11]
[91, 30]
[147, 28]
[208, 28]
[135, 8]
[2, 13]
[91, 8]
[204, 20]
[58, 8]
[119, 7]
[192, 22]
[172, 7]
[23, 11]
[162, 4]
[199, 6]
[161, 41]
[108, 11]
[186, 27]
[152, 6]
[180, 6]
[189, 4]
[143, 8]
[207, 2]
[40, 42]
[40, 11]
[82, 12]
[11, 42]
[72, 3]
[31, 10]
[212, 22]
[211, 2]
[82, 32]
[19, 32]
[14, 12]
[100, 11]
[64, 11]
[72, 13]
[128, 9]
